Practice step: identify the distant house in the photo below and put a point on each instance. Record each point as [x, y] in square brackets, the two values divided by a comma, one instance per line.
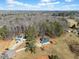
[19, 38]
[72, 22]
[44, 41]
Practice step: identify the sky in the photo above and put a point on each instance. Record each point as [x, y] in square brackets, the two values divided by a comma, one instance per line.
[49, 5]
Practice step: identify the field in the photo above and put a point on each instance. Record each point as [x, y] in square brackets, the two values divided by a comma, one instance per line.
[59, 48]
[6, 44]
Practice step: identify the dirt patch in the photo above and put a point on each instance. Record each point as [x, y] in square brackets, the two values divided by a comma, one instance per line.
[4, 44]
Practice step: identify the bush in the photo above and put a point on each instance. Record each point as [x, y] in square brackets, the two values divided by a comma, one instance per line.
[3, 32]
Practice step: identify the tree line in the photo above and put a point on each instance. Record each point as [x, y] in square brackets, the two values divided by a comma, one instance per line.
[43, 28]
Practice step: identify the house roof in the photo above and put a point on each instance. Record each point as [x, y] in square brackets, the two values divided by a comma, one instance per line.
[44, 40]
[20, 36]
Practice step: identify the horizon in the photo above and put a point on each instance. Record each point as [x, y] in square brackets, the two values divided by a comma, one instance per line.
[39, 5]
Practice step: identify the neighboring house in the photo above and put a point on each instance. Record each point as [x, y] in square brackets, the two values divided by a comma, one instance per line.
[72, 22]
[68, 30]
[44, 41]
[19, 38]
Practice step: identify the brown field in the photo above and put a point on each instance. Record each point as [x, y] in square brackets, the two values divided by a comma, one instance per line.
[6, 44]
[60, 48]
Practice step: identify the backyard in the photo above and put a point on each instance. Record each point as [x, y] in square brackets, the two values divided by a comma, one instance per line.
[60, 48]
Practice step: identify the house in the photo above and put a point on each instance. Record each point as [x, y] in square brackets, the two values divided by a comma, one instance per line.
[19, 38]
[72, 22]
[69, 30]
[44, 41]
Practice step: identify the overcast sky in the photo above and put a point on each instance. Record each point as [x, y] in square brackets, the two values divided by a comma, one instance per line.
[39, 5]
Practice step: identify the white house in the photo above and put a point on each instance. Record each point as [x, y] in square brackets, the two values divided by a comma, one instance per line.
[44, 41]
[20, 38]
